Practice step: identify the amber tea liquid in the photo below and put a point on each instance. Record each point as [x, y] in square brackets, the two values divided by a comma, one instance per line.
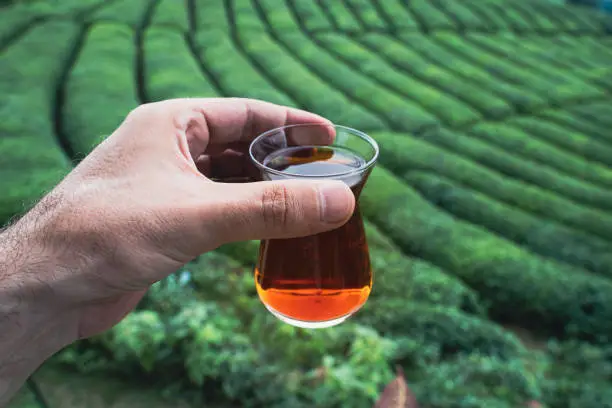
[319, 280]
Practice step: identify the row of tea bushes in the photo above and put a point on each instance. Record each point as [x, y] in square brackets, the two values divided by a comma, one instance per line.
[32, 160]
[397, 14]
[529, 147]
[574, 122]
[541, 236]
[311, 16]
[514, 166]
[100, 88]
[289, 74]
[519, 286]
[541, 66]
[450, 331]
[21, 16]
[367, 14]
[447, 109]
[398, 112]
[557, 92]
[429, 16]
[521, 98]
[341, 17]
[170, 69]
[233, 72]
[172, 14]
[417, 66]
[462, 15]
[580, 144]
[402, 153]
[134, 13]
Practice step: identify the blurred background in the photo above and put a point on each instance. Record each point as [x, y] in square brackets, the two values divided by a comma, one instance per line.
[489, 216]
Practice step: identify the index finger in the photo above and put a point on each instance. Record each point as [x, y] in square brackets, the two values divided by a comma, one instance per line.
[221, 121]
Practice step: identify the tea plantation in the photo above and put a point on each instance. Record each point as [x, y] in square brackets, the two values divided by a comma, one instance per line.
[489, 217]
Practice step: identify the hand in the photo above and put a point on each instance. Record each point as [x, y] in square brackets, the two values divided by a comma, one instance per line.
[140, 205]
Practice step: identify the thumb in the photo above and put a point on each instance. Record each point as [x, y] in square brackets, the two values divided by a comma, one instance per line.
[279, 209]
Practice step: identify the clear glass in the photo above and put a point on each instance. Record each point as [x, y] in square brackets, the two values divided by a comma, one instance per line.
[320, 280]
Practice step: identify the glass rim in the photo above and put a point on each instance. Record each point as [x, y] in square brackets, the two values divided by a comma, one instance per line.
[364, 136]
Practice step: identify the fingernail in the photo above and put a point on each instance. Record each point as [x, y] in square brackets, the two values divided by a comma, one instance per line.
[336, 202]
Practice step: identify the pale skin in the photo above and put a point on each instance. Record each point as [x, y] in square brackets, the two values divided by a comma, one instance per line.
[136, 209]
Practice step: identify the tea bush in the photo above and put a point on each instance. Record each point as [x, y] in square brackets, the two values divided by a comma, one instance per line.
[105, 68]
[541, 236]
[403, 153]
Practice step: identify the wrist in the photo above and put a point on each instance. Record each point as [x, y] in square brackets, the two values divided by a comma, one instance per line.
[35, 323]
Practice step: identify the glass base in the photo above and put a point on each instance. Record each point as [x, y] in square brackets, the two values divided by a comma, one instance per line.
[306, 324]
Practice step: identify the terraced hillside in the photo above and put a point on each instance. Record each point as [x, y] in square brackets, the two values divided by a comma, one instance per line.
[489, 216]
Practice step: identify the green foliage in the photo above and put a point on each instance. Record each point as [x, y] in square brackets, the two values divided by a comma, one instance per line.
[200, 342]
[20, 16]
[140, 337]
[574, 142]
[556, 91]
[31, 162]
[303, 85]
[493, 16]
[450, 110]
[234, 73]
[105, 69]
[401, 280]
[402, 153]
[477, 381]
[130, 12]
[463, 15]
[171, 13]
[517, 21]
[577, 394]
[418, 67]
[367, 14]
[562, 58]
[430, 17]
[13, 19]
[344, 384]
[593, 52]
[510, 165]
[311, 16]
[397, 14]
[170, 69]
[537, 65]
[210, 15]
[520, 144]
[519, 286]
[246, 17]
[57, 8]
[543, 22]
[579, 375]
[450, 331]
[340, 15]
[566, 21]
[398, 112]
[598, 113]
[541, 236]
[582, 125]
[524, 99]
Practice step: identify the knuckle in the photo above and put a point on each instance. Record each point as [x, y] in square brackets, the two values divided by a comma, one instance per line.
[276, 206]
[140, 112]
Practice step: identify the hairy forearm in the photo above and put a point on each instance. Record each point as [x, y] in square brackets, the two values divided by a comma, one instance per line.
[33, 323]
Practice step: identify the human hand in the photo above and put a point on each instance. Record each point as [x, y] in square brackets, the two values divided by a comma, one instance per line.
[140, 205]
